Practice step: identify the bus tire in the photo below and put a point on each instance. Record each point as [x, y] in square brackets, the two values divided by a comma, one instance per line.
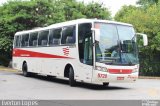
[106, 84]
[71, 77]
[25, 70]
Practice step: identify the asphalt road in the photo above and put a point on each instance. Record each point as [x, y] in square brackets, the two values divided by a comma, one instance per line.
[14, 86]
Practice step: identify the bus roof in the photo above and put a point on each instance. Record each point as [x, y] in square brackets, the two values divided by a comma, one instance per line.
[72, 22]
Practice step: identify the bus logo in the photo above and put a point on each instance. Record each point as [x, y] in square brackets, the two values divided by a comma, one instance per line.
[66, 51]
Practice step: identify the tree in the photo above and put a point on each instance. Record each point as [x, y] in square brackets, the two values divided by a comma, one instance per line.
[145, 20]
[18, 15]
[95, 10]
[147, 2]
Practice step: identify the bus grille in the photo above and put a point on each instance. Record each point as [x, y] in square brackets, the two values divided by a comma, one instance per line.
[120, 71]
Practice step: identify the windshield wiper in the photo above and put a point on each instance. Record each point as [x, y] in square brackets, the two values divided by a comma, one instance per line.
[108, 60]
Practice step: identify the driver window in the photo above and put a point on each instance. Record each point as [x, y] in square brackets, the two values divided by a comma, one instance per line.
[85, 43]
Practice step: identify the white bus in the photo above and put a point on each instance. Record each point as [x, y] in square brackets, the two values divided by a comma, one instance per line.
[85, 50]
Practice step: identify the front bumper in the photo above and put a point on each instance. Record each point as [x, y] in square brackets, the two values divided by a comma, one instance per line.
[100, 77]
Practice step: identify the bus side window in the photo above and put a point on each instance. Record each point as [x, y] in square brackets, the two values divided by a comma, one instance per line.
[68, 35]
[17, 41]
[85, 43]
[43, 38]
[55, 36]
[33, 39]
[24, 41]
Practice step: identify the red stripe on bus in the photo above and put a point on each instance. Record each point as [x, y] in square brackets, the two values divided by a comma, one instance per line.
[66, 53]
[120, 71]
[65, 50]
[26, 53]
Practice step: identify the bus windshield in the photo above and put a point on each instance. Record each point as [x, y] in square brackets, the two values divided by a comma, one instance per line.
[117, 45]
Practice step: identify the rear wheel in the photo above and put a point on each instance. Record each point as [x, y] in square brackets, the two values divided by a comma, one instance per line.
[106, 84]
[25, 70]
[71, 77]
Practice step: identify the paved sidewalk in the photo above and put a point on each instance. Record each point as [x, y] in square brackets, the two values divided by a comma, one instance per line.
[2, 68]
[148, 77]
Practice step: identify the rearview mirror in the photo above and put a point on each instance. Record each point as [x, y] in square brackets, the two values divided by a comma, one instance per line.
[145, 39]
[97, 34]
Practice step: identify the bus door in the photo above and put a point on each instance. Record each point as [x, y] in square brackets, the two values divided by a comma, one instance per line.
[85, 51]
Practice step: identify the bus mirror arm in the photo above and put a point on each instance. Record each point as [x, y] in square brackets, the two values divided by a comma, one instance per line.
[95, 43]
[145, 39]
[97, 34]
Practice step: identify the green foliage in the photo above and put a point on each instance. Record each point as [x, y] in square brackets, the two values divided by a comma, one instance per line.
[145, 18]
[95, 10]
[18, 15]
[147, 2]
[5, 44]
[5, 50]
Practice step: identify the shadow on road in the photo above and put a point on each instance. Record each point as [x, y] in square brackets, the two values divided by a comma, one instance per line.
[78, 84]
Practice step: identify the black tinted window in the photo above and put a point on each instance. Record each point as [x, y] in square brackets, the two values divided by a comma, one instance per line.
[85, 43]
[68, 35]
[17, 41]
[43, 38]
[25, 40]
[33, 39]
[55, 36]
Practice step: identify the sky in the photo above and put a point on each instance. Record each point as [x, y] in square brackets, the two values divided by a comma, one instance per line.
[112, 5]
[2, 1]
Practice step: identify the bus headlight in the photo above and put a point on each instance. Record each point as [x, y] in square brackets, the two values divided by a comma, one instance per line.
[101, 69]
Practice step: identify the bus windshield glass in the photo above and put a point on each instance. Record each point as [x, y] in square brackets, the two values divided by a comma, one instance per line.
[117, 45]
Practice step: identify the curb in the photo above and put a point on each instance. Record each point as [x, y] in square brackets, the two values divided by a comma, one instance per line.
[7, 69]
[148, 77]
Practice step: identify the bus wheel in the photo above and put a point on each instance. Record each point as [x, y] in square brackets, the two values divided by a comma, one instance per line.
[106, 84]
[25, 70]
[71, 77]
